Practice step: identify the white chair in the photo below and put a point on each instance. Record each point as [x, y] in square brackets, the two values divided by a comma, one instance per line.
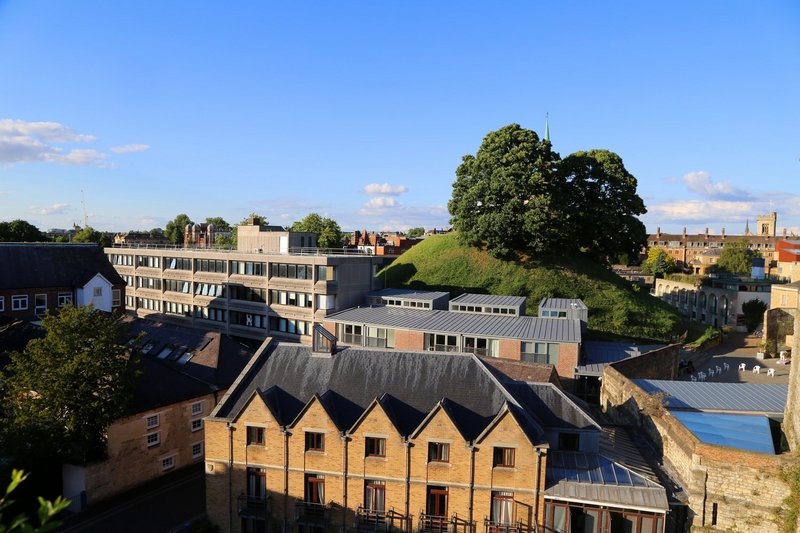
[726, 366]
[742, 367]
[719, 369]
[701, 376]
[771, 372]
[756, 369]
[711, 372]
[693, 378]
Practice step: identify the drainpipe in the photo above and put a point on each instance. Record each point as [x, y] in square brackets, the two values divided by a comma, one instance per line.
[230, 476]
[345, 440]
[286, 434]
[538, 489]
[471, 447]
[407, 444]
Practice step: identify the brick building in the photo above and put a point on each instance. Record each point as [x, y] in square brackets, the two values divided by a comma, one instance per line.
[184, 374]
[40, 278]
[365, 440]
[487, 325]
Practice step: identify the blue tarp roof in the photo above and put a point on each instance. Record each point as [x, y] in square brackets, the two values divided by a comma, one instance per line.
[747, 432]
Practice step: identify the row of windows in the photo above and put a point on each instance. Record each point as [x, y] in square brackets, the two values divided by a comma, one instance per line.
[148, 303]
[297, 299]
[248, 268]
[540, 352]
[19, 302]
[240, 292]
[285, 270]
[290, 325]
[174, 285]
[406, 303]
[481, 309]
[438, 452]
[554, 314]
[251, 320]
[210, 313]
[209, 265]
[177, 263]
[175, 308]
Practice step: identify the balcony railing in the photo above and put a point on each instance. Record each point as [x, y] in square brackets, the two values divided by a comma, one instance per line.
[483, 352]
[374, 342]
[429, 523]
[311, 513]
[351, 338]
[444, 348]
[253, 506]
[391, 520]
[490, 526]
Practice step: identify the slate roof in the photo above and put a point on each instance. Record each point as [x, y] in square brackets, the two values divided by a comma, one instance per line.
[523, 370]
[479, 324]
[712, 396]
[597, 354]
[215, 363]
[28, 266]
[408, 294]
[407, 385]
[562, 303]
[489, 299]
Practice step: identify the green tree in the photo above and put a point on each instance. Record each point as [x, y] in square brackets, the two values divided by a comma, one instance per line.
[736, 258]
[329, 234]
[235, 230]
[46, 513]
[658, 262]
[20, 231]
[89, 234]
[601, 205]
[414, 233]
[176, 228]
[753, 311]
[219, 223]
[63, 390]
[505, 197]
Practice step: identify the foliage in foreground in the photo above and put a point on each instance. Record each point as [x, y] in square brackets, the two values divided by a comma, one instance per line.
[753, 311]
[63, 391]
[440, 262]
[47, 510]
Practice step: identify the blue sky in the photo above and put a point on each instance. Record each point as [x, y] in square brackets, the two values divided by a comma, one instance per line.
[361, 111]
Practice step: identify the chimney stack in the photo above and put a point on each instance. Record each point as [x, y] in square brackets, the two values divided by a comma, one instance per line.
[658, 232]
[684, 233]
[723, 233]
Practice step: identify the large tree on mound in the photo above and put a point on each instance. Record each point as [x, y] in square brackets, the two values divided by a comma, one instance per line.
[516, 195]
[507, 194]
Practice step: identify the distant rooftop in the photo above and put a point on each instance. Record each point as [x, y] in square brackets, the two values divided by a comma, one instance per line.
[489, 299]
[725, 397]
[26, 265]
[407, 294]
[597, 354]
[562, 303]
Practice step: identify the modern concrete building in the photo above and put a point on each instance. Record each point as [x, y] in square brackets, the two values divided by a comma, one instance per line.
[247, 294]
[380, 440]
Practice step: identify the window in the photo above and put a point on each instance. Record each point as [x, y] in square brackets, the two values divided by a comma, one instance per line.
[19, 303]
[374, 495]
[375, 447]
[64, 298]
[315, 488]
[177, 263]
[436, 504]
[503, 457]
[326, 273]
[349, 333]
[174, 285]
[197, 408]
[116, 297]
[380, 337]
[326, 301]
[197, 425]
[2, 303]
[438, 452]
[568, 442]
[255, 436]
[168, 463]
[248, 268]
[540, 352]
[714, 508]
[98, 291]
[209, 265]
[153, 439]
[40, 304]
[152, 421]
[282, 270]
[197, 450]
[315, 441]
[250, 320]
[256, 483]
[502, 508]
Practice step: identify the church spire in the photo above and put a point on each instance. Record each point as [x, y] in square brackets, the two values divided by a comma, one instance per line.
[747, 227]
[547, 127]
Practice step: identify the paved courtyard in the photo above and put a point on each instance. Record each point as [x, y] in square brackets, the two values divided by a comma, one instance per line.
[737, 348]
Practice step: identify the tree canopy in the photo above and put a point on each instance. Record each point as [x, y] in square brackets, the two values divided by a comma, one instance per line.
[20, 231]
[89, 234]
[736, 258]
[414, 233]
[176, 228]
[63, 390]
[658, 262]
[516, 195]
[219, 223]
[328, 230]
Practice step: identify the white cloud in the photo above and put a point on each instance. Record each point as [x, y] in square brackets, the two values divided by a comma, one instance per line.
[55, 209]
[381, 202]
[81, 157]
[130, 148]
[701, 211]
[702, 184]
[374, 189]
[44, 131]
[28, 142]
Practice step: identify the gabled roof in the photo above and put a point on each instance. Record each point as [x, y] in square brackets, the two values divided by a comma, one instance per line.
[28, 266]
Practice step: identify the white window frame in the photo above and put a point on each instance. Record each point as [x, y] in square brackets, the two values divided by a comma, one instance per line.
[197, 424]
[19, 302]
[156, 439]
[198, 454]
[37, 309]
[98, 291]
[197, 408]
[64, 298]
[152, 421]
[168, 463]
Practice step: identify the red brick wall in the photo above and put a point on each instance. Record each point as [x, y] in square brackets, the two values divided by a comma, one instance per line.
[567, 359]
[510, 349]
[409, 340]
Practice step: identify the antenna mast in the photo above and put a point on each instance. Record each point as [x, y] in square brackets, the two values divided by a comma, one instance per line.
[85, 216]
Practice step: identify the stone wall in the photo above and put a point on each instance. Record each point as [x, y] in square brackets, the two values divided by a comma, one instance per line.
[728, 489]
[791, 420]
[655, 364]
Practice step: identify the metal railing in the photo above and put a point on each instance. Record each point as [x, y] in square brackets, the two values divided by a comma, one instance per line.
[444, 348]
[391, 520]
[253, 506]
[351, 338]
[231, 248]
[429, 523]
[490, 526]
[311, 513]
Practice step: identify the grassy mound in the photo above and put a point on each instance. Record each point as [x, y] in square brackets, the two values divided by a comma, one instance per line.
[441, 263]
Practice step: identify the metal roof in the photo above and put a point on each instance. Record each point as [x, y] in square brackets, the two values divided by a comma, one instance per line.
[597, 354]
[711, 396]
[747, 432]
[489, 299]
[594, 477]
[562, 303]
[487, 325]
[408, 294]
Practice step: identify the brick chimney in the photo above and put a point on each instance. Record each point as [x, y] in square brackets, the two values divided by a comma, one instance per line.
[723, 233]
[658, 233]
[706, 233]
[684, 233]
